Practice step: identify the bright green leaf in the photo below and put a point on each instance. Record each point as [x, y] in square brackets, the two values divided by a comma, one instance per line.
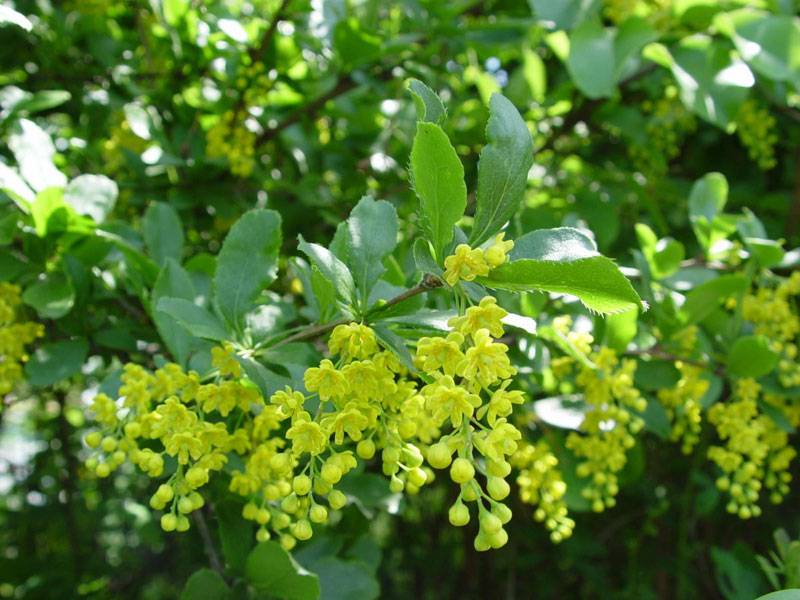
[438, 177]
[371, 235]
[331, 268]
[34, 151]
[429, 106]
[92, 195]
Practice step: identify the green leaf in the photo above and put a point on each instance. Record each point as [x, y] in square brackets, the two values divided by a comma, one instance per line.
[371, 235]
[438, 178]
[205, 584]
[793, 594]
[331, 268]
[706, 201]
[767, 252]
[620, 329]
[271, 570]
[16, 188]
[706, 297]
[502, 169]
[163, 233]
[235, 535]
[395, 344]
[565, 261]
[591, 59]
[663, 256]
[563, 14]
[429, 106]
[345, 579]
[751, 356]
[53, 362]
[196, 319]
[633, 35]
[247, 263]
[52, 297]
[9, 15]
[768, 43]
[92, 195]
[34, 151]
[712, 83]
[172, 282]
[42, 100]
[353, 45]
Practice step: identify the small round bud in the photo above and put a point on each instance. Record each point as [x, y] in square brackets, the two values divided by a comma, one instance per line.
[365, 449]
[250, 511]
[262, 516]
[337, 499]
[102, 470]
[93, 439]
[109, 444]
[331, 473]
[462, 470]
[503, 512]
[302, 530]
[301, 485]
[262, 535]
[490, 523]
[182, 524]
[439, 456]
[396, 485]
[185, 505]
[165, 492]
[417, 477]
[288, 542]
[498, 488]
[169, 522]
[458, 514]
[318, 514]
[133, 430]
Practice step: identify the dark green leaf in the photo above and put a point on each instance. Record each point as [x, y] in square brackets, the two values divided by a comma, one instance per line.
[271, 570]
[52, 297]
[205, 584]
[163, 233]
[331, 268]
[371, 235]
[53, 362]
[197, 320]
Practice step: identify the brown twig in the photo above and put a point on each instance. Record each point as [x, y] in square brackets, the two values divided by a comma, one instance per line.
[344, 84]
[429, 282]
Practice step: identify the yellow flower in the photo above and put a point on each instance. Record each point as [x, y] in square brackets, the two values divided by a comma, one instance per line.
[467, 263]
[326, 380]
[224, 358]
[350, 420]
[353, 341]
[497, 253]
[502, 402]
[486, 362]
[446, 400]
[487, 315]
[440, 353]
[288, 401]
[306, 436]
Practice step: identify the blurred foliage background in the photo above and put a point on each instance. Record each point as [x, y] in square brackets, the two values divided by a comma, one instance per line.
[213, 107]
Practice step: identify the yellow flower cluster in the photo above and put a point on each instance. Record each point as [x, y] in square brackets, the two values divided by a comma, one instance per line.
[668, 123]
[541, 484]
[682, 401]
[297, 447]
[168, 417]
[468, 263]
[772, 310]
[756, 129]
[609, 426]
[14, 337]
[230, 138]
[122, 140]
[756, 454]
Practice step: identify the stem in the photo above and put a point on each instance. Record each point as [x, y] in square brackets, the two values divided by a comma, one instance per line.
[344, 84]
[661, 354]
[256, 52]
[429, 282]
[208, 542]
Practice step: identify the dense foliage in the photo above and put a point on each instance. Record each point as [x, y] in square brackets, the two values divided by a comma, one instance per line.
[348, 299]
